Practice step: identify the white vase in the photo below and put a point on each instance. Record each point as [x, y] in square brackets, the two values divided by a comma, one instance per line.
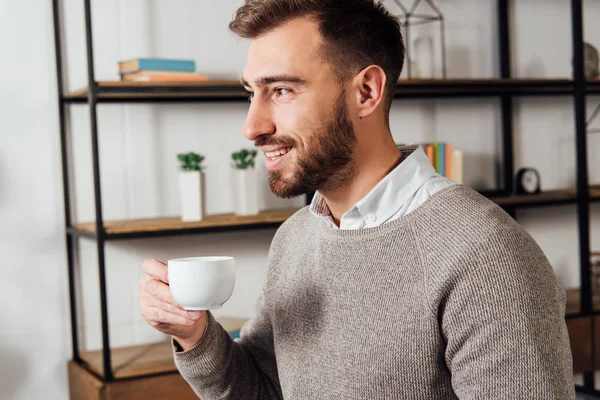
[423, 58]
[191, 195]
[245, 191]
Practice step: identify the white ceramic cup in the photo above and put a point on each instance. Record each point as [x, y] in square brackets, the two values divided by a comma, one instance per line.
[201, 283]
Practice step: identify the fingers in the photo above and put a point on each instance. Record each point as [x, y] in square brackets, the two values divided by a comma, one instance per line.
[157, 290]
[156, 270]
[157, 316]
[164, 316]
[158, 306]
[146, 300]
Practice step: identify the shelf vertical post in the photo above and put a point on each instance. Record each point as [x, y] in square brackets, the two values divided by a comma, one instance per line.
[506, 101]
[583, 212]
[64, 147]
[101, 237]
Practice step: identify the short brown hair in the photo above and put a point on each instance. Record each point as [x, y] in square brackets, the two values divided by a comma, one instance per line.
[357, 33]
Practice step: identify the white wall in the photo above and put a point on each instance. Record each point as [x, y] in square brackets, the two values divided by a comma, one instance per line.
[138, 144]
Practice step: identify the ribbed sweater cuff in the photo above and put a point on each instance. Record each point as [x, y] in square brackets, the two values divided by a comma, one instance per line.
[206, 357]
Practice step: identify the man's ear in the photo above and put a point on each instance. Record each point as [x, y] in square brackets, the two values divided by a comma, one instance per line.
[370, 84]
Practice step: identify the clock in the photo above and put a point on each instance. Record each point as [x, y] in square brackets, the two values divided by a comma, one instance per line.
[527, 181]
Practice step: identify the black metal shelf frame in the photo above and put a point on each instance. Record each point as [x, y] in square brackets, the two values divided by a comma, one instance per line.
[406, 90]
[504, 89]
[172, 232]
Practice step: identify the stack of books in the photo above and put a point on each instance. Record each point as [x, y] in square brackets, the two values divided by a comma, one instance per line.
[446, 160]
[159, 70]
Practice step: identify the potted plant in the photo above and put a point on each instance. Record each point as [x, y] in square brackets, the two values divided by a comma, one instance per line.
[245, 182]
[191, 186]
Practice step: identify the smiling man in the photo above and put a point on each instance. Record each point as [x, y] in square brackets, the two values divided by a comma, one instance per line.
[395, 283]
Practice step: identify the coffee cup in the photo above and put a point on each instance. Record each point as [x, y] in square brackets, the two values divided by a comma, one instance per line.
[201, 283]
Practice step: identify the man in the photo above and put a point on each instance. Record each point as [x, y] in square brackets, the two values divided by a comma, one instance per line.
[395, 283]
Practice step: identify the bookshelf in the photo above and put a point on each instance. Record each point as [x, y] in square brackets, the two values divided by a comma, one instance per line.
[137, 362]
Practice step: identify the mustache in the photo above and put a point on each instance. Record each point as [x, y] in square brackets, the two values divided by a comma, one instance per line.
[269, 140]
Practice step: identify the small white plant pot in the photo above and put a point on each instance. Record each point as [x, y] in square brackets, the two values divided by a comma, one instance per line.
[191, 195]
[245, 191]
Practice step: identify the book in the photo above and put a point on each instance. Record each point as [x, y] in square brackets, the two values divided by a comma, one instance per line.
[429, 150]
[156, 64]
[457, 166]
[448, 160]
[163, 76]
[441, 161]
[436, 157]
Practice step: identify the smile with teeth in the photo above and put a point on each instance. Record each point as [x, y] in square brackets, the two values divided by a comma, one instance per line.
[277, 153]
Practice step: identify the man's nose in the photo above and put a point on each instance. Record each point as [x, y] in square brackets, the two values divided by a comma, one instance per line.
[258, 122]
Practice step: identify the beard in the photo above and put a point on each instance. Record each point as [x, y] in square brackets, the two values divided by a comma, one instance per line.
[327, 161]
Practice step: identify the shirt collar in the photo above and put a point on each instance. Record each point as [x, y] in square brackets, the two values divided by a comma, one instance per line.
[388, 196]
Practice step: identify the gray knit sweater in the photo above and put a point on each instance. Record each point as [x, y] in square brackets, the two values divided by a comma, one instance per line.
[454, 300]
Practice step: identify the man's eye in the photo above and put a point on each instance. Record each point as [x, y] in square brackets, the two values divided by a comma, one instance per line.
[282, 91]
[250, 95]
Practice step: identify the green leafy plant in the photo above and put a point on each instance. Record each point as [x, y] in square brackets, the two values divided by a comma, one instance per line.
[243, 159]
[190, 161]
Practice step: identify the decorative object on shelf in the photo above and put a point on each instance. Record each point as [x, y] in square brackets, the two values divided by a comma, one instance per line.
[424, 60]
[421, 64]
[245, 182]
[591, 61]
[191, 186]
[527, 181]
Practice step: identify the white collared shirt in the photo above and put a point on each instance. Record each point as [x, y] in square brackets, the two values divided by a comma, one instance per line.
[400, 192]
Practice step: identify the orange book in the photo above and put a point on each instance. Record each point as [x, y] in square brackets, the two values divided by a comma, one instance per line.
[448, 160]
[161, 76]
[430, 153]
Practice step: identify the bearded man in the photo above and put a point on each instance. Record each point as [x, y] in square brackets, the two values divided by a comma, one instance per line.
[395, 283]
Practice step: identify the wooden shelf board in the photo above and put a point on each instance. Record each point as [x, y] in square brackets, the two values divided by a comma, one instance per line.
[120, 90]
[547, 196]
[132, 361]
[147, 359]
[175, 223]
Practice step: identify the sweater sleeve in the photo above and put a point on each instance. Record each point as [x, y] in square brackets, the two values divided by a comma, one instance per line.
[219, 367]
[501, 315]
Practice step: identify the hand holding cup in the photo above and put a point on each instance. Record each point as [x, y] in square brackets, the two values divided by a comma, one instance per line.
[172, 298]
[163, 313]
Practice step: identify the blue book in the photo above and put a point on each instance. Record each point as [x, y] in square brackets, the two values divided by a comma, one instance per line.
[156, 64]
